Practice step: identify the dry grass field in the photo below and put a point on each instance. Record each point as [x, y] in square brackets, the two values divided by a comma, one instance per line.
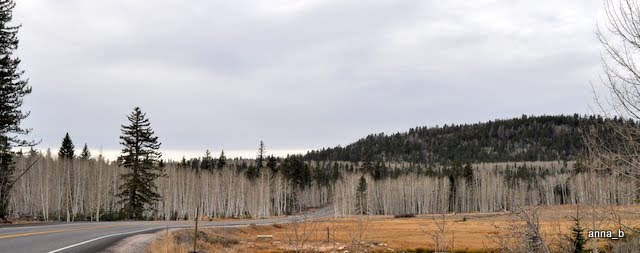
[474, 232]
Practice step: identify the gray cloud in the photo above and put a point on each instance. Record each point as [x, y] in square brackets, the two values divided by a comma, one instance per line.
[298, 74]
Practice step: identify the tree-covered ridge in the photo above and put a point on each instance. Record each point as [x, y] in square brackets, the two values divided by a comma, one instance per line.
[529, 138]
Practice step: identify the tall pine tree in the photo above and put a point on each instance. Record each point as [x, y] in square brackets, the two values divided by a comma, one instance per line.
[66, 154]
[260, 157]
[208, 163]
[86, 154]
[67, 149]
[222, 161]
[140, 155]
[361, 196]
[272, 164]
[12, 90]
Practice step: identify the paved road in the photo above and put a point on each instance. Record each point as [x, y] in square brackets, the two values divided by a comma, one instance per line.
[97, 236]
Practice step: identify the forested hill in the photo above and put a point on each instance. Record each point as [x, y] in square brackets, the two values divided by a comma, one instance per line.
[529, 138]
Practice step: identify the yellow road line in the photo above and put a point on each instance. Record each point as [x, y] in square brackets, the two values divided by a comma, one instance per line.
[55, 231]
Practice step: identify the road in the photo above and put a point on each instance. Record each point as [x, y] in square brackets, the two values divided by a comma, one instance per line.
[98, 236]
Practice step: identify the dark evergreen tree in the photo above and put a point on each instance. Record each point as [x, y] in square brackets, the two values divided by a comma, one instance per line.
[222, 160]
[467, 172]
[298, 175]
[67, 153]
[140, 155]
[86, 154]
[296, 171]
[578, 239]
[379, 170]
[335, 172]
[194, 164]
[67, 149]
[183, 163]
[361, 196]
[12, 91]
[272, 164]
[208, 162]
[455, 172]
[252, 172]
[260, 157]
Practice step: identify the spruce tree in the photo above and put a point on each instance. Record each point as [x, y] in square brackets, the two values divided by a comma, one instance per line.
[140, 155]
[298, 175]
[67, 149]
[208, 162]
[86, 154]
[361, 196]
[13, 88]
[67, 153]
[222, 161]
[183, 163]
[260, 158]
[254, 171]
[577, 234]
[297, 172]
[272, 164]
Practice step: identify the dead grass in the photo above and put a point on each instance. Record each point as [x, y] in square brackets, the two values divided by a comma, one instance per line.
[467, 232]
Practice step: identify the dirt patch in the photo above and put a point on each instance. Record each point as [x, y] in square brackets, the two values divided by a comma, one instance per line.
[135, 244]
[216, 237]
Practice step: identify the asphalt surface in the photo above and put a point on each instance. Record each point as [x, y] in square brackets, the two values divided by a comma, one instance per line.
[98, 236]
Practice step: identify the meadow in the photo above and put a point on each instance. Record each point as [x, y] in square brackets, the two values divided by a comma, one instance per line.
[459, 232]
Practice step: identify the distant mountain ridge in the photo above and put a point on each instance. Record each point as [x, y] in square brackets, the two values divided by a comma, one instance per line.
[528, 138]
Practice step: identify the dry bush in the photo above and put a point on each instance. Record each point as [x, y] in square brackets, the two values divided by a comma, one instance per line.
[167, 244]
[208, 240]
[301, 232]
[356, 232]
[406, 215]
[438, 235]
[522, 233]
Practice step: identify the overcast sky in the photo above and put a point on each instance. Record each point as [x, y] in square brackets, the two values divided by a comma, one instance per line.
[298, 74]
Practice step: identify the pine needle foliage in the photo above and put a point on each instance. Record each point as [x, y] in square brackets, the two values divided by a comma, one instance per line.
[67, 149]
[13, 88]
[140, 155]
[86, 154]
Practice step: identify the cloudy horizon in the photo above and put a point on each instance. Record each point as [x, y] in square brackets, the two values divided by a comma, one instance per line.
[298, 75]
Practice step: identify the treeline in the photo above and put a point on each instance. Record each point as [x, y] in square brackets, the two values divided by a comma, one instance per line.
[488, 188]
[86, 189]
[83, 187]
[535, 138]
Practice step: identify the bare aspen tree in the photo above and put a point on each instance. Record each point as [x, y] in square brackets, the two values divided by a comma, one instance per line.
[357, 230]
[522, 233]
[227, 193]
[99, 185]
[620, 39]
[438, 235]
[533, 240]
[302, 231]
[616, 152]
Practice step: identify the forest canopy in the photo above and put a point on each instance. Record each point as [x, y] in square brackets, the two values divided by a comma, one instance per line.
[528, 138]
